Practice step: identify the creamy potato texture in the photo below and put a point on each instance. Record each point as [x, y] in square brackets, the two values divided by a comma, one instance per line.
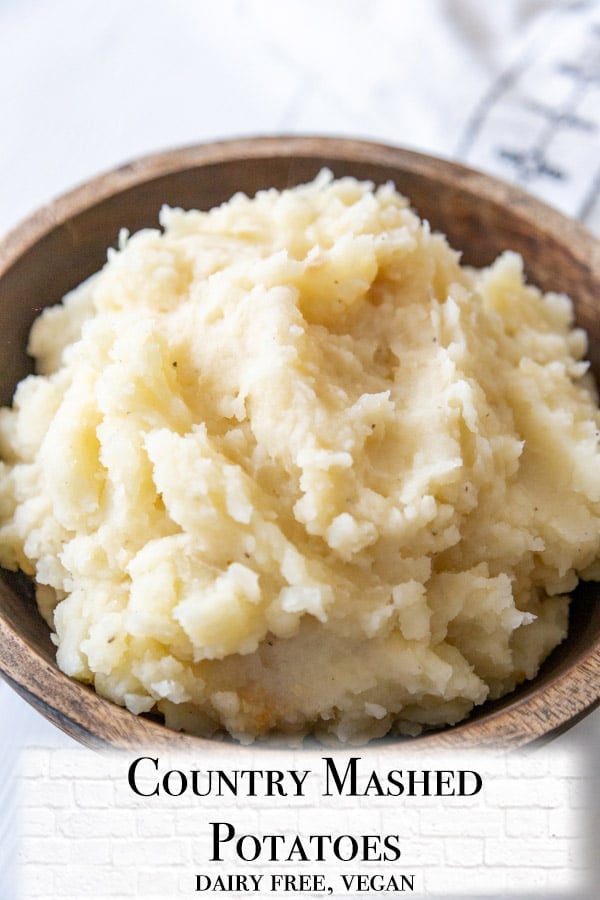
[286, 466]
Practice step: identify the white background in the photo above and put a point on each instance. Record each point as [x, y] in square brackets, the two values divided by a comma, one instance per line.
[511, 87]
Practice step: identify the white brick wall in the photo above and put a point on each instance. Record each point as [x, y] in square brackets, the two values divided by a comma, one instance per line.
[85, 834]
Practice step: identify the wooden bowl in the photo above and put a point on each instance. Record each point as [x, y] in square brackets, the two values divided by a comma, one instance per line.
[64, 242]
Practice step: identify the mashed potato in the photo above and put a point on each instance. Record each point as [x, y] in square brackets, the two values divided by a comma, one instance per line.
[287, 467]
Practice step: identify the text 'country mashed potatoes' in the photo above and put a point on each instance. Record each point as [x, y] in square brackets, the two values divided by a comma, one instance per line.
[287, 467]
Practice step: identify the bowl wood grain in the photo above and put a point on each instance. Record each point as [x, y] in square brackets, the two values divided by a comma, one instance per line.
[63, 243]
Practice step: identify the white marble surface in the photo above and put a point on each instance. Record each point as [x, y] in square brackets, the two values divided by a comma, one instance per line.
[513, 88]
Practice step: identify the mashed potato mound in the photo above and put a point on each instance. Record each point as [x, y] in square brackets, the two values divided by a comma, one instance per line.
[286, 466]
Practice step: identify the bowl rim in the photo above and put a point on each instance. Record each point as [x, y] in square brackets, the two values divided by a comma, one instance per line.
[76, 708]
[146, 167]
